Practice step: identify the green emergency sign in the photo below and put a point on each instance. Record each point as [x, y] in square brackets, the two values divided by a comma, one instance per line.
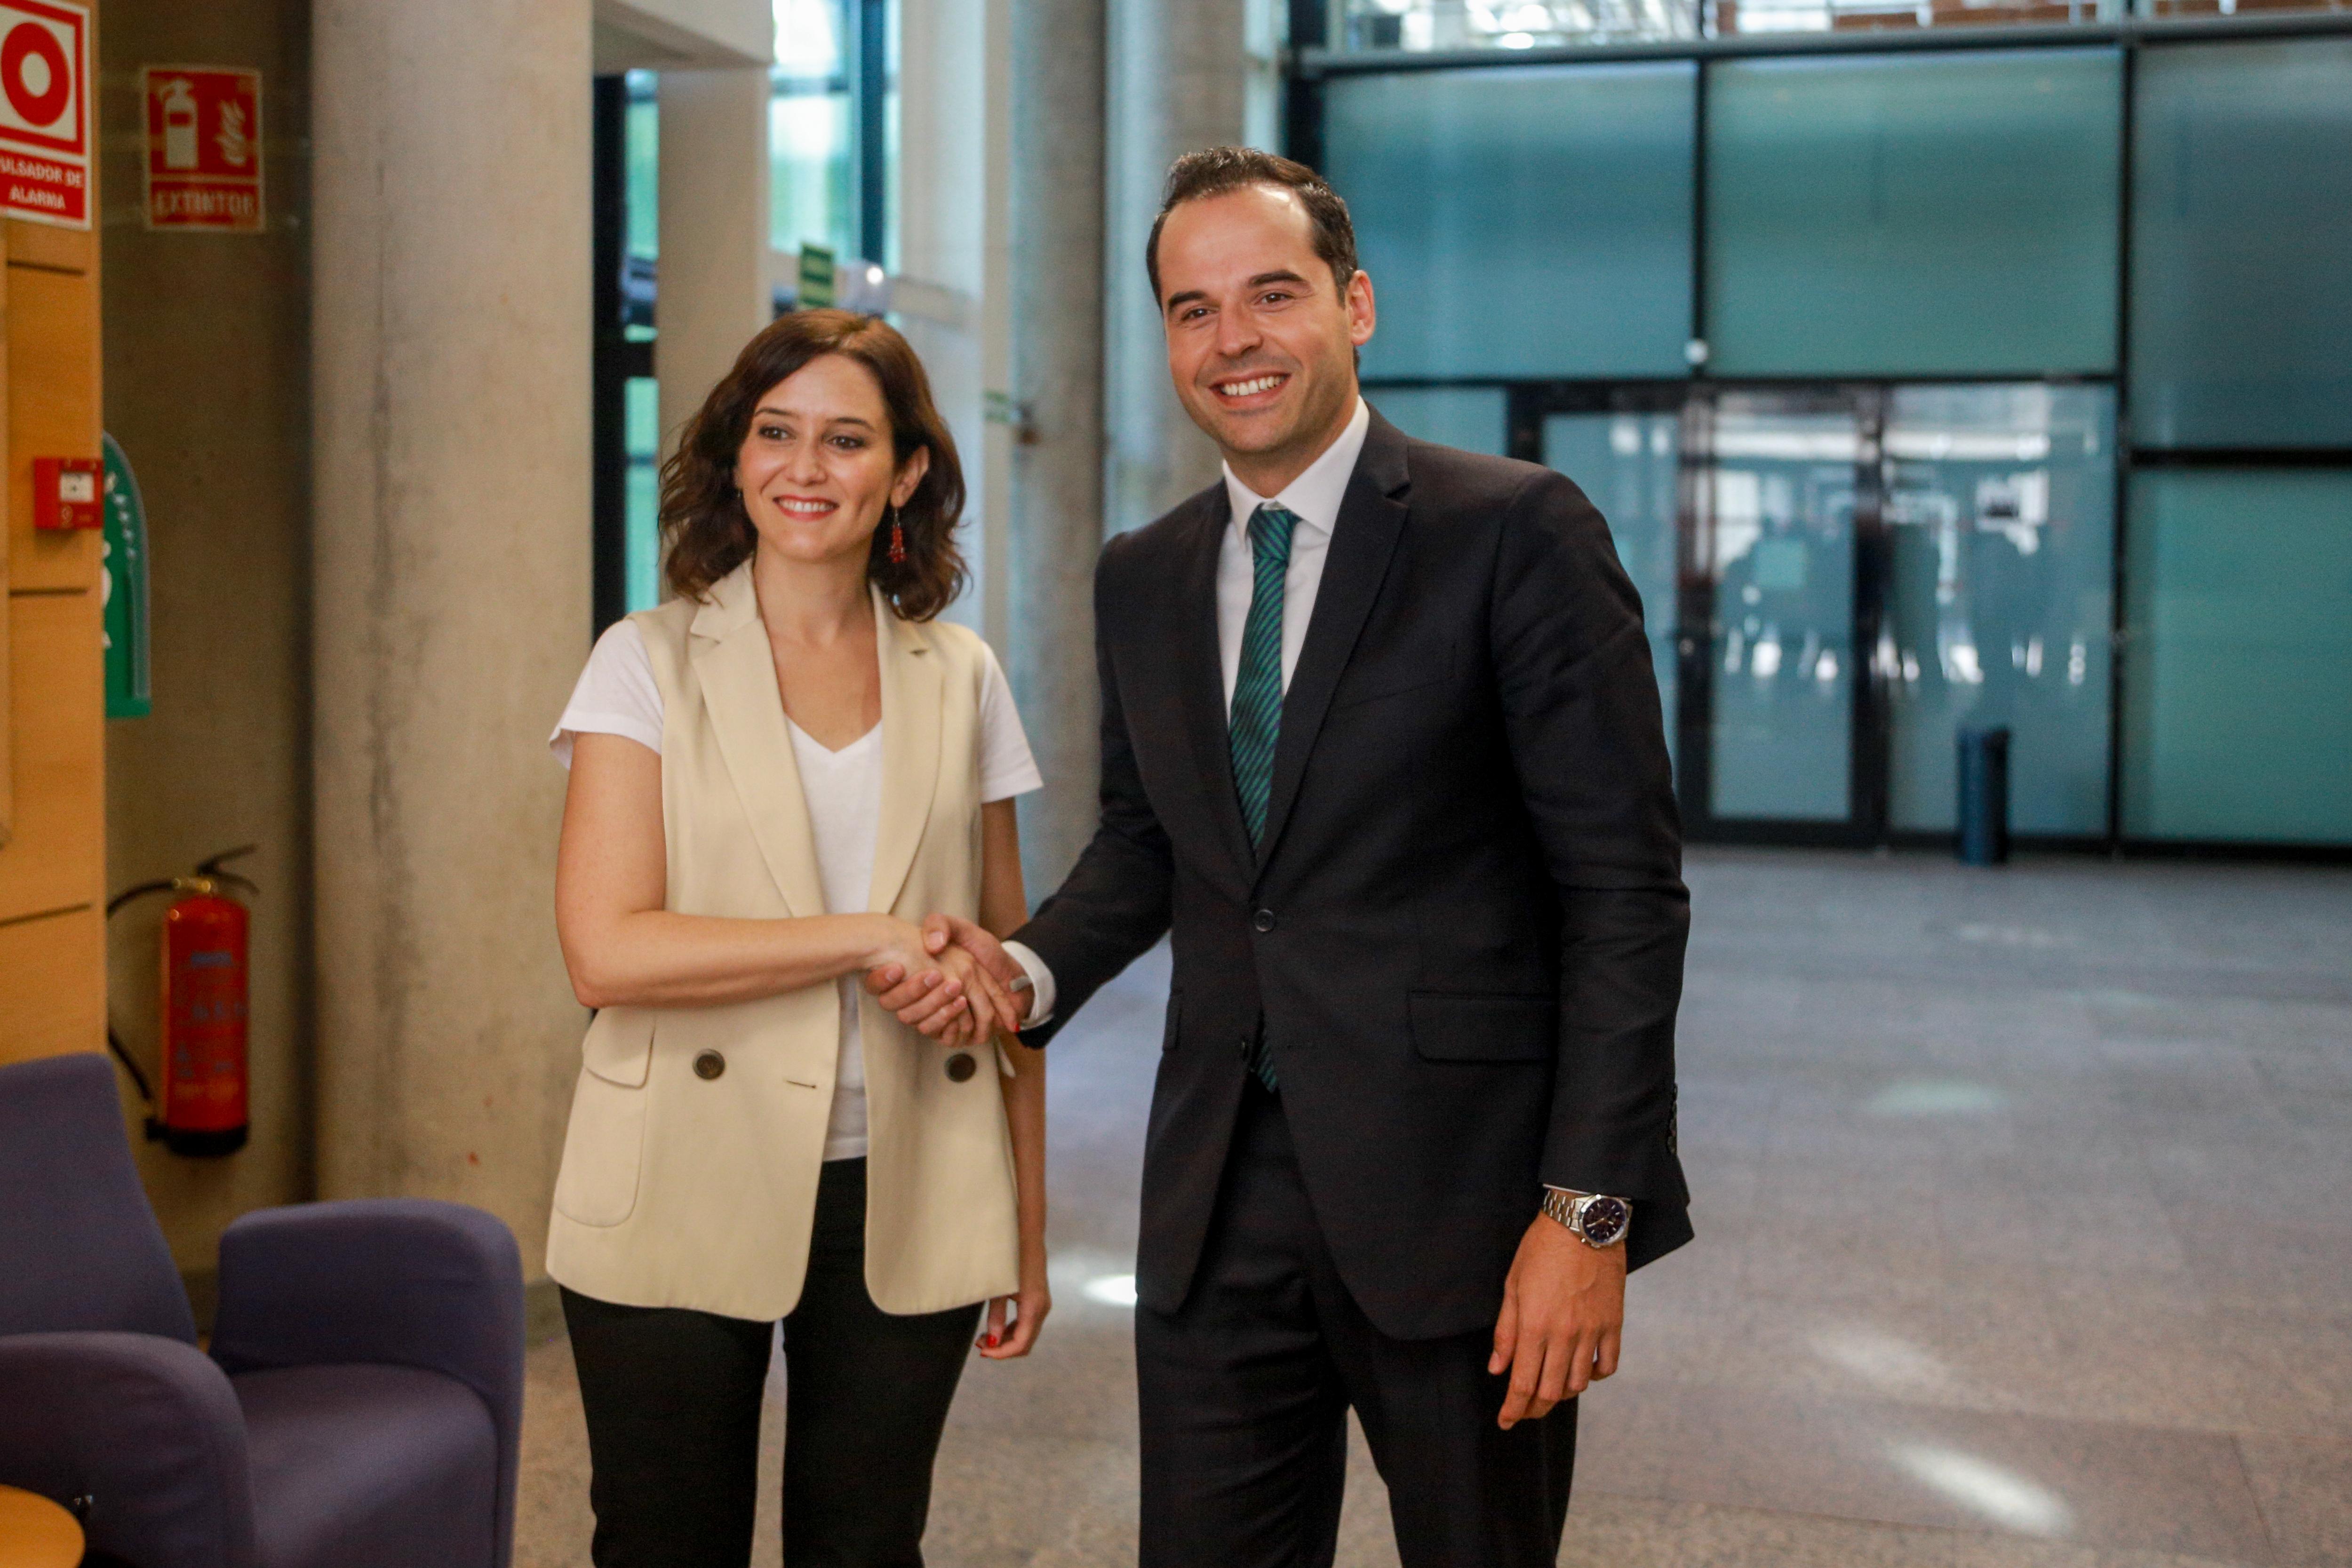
[122, 576]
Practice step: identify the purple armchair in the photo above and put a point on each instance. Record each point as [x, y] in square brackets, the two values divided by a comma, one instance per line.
[363, 1399]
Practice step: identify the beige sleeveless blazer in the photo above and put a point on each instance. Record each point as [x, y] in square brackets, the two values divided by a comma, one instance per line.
[678, 1190]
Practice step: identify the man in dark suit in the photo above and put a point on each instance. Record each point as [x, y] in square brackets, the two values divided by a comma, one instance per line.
[1382, 749]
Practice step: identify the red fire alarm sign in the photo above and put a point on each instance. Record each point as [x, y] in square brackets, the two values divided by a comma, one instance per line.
[66, 492]
[45, 112]
[204, 147]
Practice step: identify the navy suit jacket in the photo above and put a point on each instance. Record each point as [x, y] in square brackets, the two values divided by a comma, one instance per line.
[1463, 932]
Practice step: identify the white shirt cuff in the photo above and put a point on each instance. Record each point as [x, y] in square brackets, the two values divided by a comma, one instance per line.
[1041, 983]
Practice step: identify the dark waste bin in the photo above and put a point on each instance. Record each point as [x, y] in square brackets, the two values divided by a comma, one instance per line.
[1984, 796]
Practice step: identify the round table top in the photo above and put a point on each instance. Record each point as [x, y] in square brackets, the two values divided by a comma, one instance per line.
[36, 1532]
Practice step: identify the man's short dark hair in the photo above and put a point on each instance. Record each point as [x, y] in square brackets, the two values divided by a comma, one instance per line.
[1214, 171]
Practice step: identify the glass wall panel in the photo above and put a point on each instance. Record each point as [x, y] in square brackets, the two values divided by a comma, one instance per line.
[812, 179]
[1627, 463]
[1532, 221]
[1475, 419]
[1914, 214]
[1780, 545]
[2242, 245]
[2236, 723]
[641, 548]
[2000, 501]
[1423, 24]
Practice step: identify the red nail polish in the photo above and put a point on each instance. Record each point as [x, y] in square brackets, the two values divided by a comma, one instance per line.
[991, 1342]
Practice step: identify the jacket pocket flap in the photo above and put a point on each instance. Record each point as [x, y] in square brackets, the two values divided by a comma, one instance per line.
[1460, 1027]
[620, 1046]
[1394, 674]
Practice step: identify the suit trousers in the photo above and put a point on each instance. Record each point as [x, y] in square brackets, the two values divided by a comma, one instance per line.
[1246, 1389]
[672, 1399]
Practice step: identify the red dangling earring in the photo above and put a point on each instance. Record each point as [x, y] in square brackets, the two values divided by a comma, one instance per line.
[898, 540]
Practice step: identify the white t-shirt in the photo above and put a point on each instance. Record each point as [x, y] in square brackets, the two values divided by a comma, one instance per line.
[617, 695]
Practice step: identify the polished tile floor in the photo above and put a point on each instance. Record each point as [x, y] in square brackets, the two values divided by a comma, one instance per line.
[2024, 1202]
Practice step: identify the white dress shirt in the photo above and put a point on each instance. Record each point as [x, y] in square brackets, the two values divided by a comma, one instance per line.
[1314, 499]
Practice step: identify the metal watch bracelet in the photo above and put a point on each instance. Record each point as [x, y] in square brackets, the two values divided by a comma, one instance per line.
[1596, 1219]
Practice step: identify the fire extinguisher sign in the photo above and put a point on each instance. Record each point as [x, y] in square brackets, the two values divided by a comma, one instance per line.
[204, 147]
[45, 112]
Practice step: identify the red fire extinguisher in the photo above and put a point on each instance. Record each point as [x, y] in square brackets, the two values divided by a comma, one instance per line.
[203, 1062]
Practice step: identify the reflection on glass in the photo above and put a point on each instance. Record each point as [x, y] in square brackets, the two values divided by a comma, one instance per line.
[641, 551]
[1426, 25]
[2000, 502]
[811, 129]
[1627, 463]
[1777, 539]
[1474, 419]
[641, 174]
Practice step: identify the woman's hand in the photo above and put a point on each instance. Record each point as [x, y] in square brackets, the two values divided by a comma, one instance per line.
[900, 955]
[1028, 1306]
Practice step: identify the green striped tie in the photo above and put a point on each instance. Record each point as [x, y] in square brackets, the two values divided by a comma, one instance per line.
[1256, 722]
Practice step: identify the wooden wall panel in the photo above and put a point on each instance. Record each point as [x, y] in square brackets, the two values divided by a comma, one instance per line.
[53, 412]
[55, 857]
[53, 807]
[52, 995]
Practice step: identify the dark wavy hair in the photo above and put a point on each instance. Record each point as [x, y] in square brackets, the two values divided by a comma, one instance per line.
[1214, 171]
[703, 523]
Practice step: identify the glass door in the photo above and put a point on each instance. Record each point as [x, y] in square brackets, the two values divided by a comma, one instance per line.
[1778, 503]
[1836, 579]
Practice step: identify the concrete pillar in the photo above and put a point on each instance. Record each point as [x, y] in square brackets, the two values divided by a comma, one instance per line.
[714, 289]
[1055, 239]
[450, 571]
[1179, 81]
[950, 200]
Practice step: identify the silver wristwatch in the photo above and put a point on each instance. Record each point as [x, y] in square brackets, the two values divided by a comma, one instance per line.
[1594, 1218]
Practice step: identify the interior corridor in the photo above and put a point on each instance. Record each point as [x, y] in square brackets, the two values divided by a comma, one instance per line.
[2024, 1202]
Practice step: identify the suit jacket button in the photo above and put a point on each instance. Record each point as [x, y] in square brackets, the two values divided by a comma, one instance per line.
[1245, 1047]
[709, 1064]
[961, 1067]
[1263, 920]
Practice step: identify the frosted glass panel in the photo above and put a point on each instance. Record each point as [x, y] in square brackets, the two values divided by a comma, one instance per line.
[2241, 245]
[1914, 214]
[2000, 505]
[1780, 501]
[1527, 221]
[1475, 419]
[2236, 720]
[1627, 464]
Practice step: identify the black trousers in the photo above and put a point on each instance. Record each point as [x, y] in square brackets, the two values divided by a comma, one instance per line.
[672, 1399]
[1245, 1392]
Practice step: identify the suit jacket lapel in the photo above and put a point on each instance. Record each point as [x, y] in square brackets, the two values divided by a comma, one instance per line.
[1199, 671]
[912, 710]
[737, 669]
[1371, 517]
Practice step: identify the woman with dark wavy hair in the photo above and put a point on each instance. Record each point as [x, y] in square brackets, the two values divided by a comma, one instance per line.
[776, 775]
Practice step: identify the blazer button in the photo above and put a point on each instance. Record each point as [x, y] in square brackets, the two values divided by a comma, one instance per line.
[1263, 920]
[1245, 1047]
[709, 1064]
[961, 1067]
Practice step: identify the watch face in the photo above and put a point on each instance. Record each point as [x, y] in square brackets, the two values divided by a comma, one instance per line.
[1605, 1219]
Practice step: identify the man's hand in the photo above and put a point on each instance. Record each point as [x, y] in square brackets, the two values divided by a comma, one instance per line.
[1563, 1314]
[926, 1002]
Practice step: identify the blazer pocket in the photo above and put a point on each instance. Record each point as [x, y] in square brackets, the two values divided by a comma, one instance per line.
[604, 1146]
[620, 1046]
[1463, 1027]
[1393, 675]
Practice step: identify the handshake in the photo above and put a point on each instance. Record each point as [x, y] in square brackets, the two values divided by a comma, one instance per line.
[961, 986]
